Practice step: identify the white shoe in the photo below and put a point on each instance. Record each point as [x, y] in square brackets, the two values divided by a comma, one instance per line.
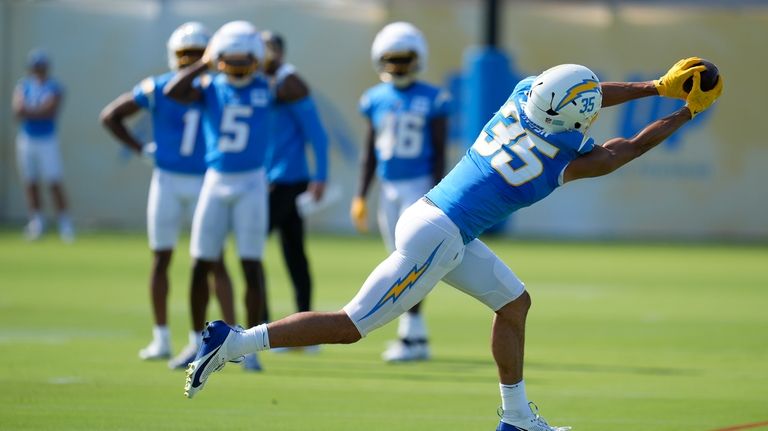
[34, 229]
[157, 349]
[405, 351]
[534, 422]
[184, 358]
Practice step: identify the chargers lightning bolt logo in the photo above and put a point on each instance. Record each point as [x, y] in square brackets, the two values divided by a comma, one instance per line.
[585, 86]
[403, 283]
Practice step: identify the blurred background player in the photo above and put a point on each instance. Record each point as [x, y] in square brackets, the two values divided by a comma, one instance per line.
[295, 125]
[405, 147]
[179, 156]
[535, 143]
[235, 105]
[36, 102]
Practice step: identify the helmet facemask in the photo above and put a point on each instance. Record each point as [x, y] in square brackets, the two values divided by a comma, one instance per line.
[186, 57]
[400, 68]
[239, 68]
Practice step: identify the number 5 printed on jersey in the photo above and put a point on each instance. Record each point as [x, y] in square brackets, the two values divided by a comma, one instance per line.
[234, 128]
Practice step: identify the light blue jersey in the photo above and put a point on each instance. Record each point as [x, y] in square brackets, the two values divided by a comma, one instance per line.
[235, 123]
[401, 120]
[175, 127]
[512, 164]
[35, 94]
[293, 125]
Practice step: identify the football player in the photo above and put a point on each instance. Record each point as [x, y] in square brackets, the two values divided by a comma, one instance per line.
[295, 125]
[179, 157]
[535, 143]
[36, 102]
[405, 147]
[234, 103]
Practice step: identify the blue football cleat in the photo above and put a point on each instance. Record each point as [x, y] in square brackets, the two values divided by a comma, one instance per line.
[211, 357]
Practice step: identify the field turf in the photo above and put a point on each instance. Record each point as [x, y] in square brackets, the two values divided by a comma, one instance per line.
[620, 337]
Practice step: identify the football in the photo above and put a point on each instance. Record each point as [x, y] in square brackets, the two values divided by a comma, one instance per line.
[709, 77]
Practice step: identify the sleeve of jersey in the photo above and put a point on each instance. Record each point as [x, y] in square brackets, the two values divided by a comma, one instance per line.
[365, 104]
[576, 141]
[305, 111]
[144, 93]
[442, 104]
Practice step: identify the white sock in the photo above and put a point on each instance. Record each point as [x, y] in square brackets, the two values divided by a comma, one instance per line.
[195, 337]
[251, 340]
[411, 326]
[161, 333]
[514, 402]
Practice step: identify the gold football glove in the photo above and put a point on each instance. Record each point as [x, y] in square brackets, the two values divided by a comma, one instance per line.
[671, 83]
[359, 214]
[698, 101]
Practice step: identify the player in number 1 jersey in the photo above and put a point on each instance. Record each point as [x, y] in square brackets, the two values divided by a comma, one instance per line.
[406, 150]
[179, 156]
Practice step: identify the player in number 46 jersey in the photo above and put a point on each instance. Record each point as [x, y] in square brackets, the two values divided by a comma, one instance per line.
[536, 142]
[179, 156]
[406, 148]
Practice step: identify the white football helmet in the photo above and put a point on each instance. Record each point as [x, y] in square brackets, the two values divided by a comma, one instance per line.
[237, 50]
[565, 97]
[399, 52]
[187, 44]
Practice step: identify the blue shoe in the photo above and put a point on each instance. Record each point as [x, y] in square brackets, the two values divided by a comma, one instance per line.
[212, 356]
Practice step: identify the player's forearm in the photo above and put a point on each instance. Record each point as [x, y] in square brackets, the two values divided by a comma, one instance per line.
[180, 88]
[615, 93]
[651, 136]
[121, 133]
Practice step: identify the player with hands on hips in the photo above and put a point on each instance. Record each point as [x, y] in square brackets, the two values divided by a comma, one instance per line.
[405, 149]
[235, 105]
[535, 143]
[36, 102]
[177, 178]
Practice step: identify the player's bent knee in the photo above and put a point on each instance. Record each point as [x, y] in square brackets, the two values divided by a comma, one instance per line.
[516, 308]
[347, 331]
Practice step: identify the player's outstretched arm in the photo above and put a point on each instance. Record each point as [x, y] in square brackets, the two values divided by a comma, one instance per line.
[113, 118]
[617, 152]
[615, 93]
[181, 88]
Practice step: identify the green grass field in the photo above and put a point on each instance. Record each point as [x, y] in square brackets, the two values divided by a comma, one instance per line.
[620, 337]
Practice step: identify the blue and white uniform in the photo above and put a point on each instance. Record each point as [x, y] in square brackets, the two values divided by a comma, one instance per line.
[404, 152]
[179, 161]
[37, 144]
[234, 194]
[292, 126]
[511, 165]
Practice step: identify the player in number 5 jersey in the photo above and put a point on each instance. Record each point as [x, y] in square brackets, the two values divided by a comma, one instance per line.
[534, 144]
[406, 149]
[234, 105]
[179, 156]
